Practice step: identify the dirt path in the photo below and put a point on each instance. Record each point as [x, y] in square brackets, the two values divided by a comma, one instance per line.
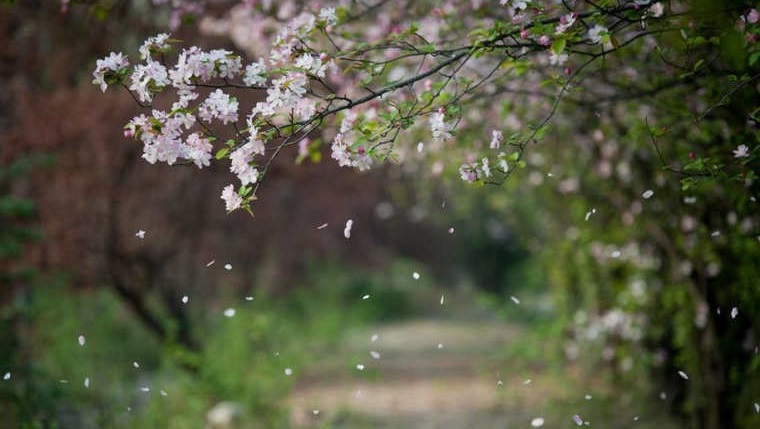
[422, 374]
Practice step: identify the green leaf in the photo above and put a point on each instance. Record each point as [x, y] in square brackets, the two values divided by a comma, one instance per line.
[428, 48]
[243, 191]
[558, 46]
[753, 58]
[221, 153]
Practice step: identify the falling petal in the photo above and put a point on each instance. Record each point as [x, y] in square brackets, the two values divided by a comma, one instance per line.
[140, 234]
[451, 230]
[537, 422]
[734, 312]
[360, 367]
[365, 297]
[589, 213]
[145, 389]
[647, 194]
[374, 338]
[323, 226]
[230, 312]
[374, 354]
[210, 263]
[683, 375]
[7, 376]
[288, 372]
[515, 300]
[87, 382]
[227, 267]
[442, 299]
[135, 364]
[249, 298]
[81, 339]
[416, 275]
[185, 299]
[163, 393]
[347, 229]
[577, 419]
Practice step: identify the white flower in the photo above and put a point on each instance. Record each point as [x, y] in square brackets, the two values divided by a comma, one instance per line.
[198, 150]
[311, 64]
[596, 33]
[110, 65]
[195, 63]
[156, 43]
[304, 109]
[503, 165]
[565, 22]
[340, 151]
[285, 92]
[219, 105]
[301, 25]
[485, 167]
[225, 63]
[440, 129]
[362, 161]
[231, 199]
[327, 15]
[741, 151]
[557, 60]
[496, 138]
[304, 62]
[240, 162]
[254, 74]
[657, 10]
[146, 78]
[467, 173]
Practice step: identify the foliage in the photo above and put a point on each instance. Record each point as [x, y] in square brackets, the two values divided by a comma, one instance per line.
[140, 382]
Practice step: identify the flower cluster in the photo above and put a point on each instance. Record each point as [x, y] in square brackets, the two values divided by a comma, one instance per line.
[385, 86]
[110, 70]
[342, 150]
[185, 132]
[472, 171]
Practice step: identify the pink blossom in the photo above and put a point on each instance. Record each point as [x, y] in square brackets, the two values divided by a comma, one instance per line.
[231, 199]
[753, 16]
[440, 129]
[496, 138]
[220, 106]
[107, 67]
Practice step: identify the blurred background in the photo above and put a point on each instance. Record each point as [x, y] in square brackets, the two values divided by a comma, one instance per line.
[560, 298]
